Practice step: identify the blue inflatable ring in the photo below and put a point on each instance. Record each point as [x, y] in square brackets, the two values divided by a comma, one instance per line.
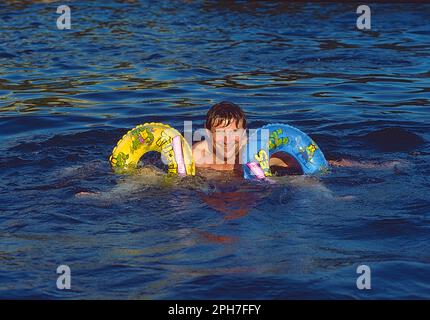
[274, 138]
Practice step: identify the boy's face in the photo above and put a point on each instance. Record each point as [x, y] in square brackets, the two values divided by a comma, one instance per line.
[227, 140]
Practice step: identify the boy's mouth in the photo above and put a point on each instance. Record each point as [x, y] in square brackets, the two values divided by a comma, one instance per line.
[225, 151]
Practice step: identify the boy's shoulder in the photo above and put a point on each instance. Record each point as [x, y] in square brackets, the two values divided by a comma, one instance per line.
[200, 151]
[201, 145]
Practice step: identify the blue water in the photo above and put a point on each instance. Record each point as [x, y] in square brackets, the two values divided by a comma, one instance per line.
[66, 97]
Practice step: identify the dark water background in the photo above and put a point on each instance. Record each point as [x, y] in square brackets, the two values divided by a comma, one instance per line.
[66, 97]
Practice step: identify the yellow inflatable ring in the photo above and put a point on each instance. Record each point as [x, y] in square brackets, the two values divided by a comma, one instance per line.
[157, 137]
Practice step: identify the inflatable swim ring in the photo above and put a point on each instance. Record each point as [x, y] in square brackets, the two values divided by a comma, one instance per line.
[274, 138]
[157, 137]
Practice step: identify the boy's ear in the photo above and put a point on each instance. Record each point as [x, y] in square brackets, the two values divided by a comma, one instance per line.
[208, 133]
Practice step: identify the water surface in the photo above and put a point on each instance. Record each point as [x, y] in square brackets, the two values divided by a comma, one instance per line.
[66, 97]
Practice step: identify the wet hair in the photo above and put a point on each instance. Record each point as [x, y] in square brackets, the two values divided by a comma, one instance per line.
[224, 112]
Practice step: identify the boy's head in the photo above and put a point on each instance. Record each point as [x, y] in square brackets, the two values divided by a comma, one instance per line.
[226, 124]
[224, 114]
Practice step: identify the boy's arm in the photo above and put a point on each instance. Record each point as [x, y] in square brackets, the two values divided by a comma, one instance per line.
[364, 164]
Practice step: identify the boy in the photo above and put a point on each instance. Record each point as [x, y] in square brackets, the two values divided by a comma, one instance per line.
[226, 135]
